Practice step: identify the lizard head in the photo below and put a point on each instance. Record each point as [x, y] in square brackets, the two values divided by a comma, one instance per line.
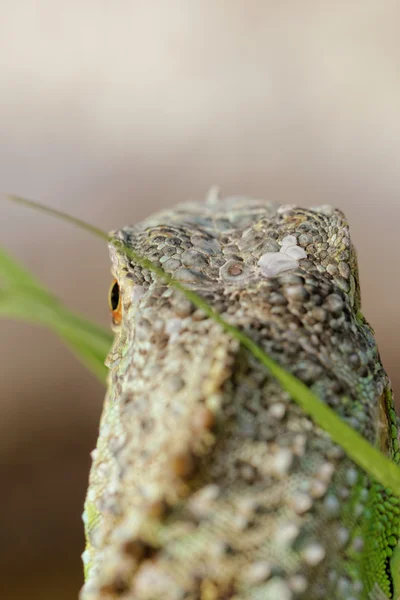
[224, 246]
[260, 265]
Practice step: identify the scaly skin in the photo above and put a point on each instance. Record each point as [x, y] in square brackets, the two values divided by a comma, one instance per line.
[208, 482]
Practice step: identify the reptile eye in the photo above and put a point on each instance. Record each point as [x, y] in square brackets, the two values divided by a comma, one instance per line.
[114, 301]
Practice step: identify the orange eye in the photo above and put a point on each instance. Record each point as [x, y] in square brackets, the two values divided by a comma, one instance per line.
[114, 302]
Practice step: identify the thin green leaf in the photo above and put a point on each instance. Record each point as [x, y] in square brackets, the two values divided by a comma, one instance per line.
[372, 460]
[22, 297]
[12, 273]
[59, 214]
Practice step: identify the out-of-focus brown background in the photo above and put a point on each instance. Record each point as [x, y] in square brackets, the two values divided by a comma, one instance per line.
[110, 110]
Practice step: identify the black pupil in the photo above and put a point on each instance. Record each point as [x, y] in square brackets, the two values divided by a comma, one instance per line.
[114, 296]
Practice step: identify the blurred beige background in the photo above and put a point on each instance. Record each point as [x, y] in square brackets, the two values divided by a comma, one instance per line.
[110, 110]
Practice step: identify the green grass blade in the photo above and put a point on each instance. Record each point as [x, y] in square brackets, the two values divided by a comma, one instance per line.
[59, 214]
[372, 460]
[22, 297]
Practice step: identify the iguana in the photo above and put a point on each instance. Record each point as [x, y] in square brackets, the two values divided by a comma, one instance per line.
[208, 482]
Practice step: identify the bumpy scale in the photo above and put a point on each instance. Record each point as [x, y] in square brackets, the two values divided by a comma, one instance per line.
[208, 482]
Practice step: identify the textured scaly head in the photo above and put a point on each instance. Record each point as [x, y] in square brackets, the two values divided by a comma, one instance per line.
[240, 242]
[180, 413]
[289, 263]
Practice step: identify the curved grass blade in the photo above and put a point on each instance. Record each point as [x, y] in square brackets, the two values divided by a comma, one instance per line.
[23, 297]
[370, 459]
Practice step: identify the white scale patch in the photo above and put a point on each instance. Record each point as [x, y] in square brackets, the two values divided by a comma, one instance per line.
[274, 263]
